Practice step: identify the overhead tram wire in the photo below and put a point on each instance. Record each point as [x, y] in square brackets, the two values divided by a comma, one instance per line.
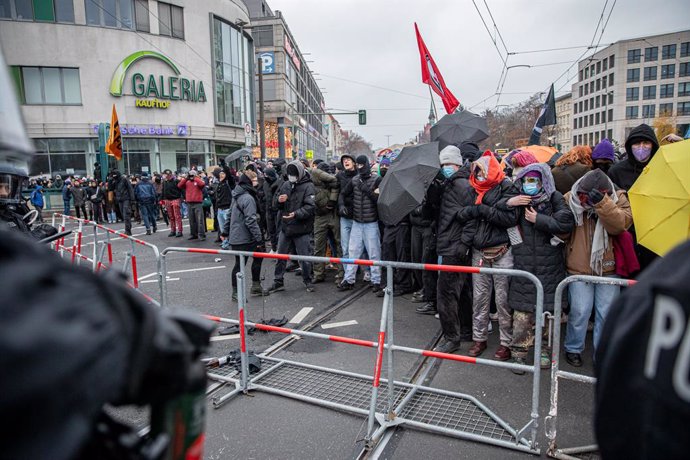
[513, 53]
[504, 71]
[375, 86]
[496, 27]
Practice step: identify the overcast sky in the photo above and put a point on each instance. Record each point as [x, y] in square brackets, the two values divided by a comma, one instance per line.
[373, 42]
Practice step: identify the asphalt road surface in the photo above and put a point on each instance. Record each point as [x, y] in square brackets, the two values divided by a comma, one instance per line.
[262, 425]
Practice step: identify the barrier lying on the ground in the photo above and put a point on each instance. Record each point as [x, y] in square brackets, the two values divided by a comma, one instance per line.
[551, 420]
[104, 247]
[446, 412]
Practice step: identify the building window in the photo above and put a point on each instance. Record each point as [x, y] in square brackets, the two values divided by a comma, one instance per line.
[574, 140]
[666, 110]
[685, 49]
[50, 86]
[170, 20]
[141, 13]
[586, 73]
[591, 119]
[633, 75]
[109, 13]
[668, 52]
[598, 84]
[648, 111]
[575, 108]
[611, 97]
[575, 123]
[596, 102]
[684, 89]
[651, 54]
[580, 75]
[580, 91]
[649, 92]
[586, 121]
[605, 64]
[684, 69]
[631, 112]
[598, 67]
[632, 94]
[596, 118]
[634, 56]
[580, 104]
[649, 73]
[611, 61]
[666, 91]
[586, 89]
[611, 79]
[234, 75]
[38, 10]
[610, 114]
[586, 105]
[263, 36]
[683, 108]
[668, 71]
[591, 86]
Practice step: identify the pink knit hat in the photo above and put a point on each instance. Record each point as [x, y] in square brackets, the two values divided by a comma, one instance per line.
[523, 158]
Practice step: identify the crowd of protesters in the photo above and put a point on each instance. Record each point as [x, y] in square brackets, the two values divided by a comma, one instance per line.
[570, 216]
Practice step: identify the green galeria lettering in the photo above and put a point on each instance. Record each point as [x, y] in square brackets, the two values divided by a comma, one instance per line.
[185, 94]
[138, 87]
[172, 81]
[152, 88]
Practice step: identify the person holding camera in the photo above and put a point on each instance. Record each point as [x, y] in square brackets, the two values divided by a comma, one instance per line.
[193, 187]
[242, 230]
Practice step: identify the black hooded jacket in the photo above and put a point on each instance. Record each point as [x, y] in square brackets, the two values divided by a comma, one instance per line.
[300, 202]
[454, 237]
[344, 178]
[625, 173]
[360, 191]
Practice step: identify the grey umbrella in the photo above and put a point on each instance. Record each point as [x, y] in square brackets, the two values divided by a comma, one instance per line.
[404, 185]
[239, 154]
[459, 127]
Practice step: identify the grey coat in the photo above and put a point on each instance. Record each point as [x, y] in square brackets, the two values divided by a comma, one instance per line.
[79, 195]
[243, 225]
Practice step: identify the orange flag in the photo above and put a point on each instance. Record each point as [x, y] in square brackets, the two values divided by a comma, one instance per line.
[114, 145]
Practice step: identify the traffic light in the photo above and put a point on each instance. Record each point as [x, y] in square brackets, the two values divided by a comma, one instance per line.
[362, 117]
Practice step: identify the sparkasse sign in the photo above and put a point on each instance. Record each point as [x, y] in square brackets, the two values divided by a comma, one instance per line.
[156, 91]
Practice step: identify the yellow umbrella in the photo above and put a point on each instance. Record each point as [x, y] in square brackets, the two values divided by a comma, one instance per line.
[660, 199]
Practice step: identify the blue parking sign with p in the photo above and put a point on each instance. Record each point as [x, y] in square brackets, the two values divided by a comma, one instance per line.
[268, 62]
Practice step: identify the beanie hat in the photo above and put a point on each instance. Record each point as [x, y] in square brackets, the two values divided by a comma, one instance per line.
[317, 161]
[270, 174]
[216, 173]
[532, 173]
[144, 174]
[450, 155]
[362, 160]
[604, 151]
[523, 158]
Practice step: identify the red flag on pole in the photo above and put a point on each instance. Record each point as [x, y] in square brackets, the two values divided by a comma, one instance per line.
[114, 145]
[432, 77]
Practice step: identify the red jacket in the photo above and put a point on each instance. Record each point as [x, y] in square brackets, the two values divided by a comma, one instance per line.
[192, 189]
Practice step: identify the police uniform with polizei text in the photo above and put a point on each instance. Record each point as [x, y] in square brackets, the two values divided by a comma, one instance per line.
[643, 366]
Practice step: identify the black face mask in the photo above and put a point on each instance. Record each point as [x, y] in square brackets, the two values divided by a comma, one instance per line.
[383, 171]
[602, 165]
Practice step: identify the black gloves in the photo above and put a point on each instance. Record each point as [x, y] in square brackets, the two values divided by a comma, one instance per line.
[595, 196]
[260, 246]
[465, 254]
[343, 211]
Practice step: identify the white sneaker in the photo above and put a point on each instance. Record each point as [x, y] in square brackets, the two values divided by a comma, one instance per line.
[367, 277]
[491, 328]
[437, 316]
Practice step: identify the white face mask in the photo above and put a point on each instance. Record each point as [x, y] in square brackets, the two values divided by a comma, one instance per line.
[292, 179]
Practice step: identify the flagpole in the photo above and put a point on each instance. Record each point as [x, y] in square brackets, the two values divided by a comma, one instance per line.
[433, 104]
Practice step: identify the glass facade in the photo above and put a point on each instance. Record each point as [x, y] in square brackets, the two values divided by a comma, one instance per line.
[234, 75]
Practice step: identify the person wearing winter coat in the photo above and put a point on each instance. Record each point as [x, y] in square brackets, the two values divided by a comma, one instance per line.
[361, 192]
[66, 197]
[326, 221]
[572, 166]
[241, 230]
[491, 248]
[641, 146]
[193, 187]
[543, 215]
[124, 195]
[38, 201]
[172, 197]
[271, 185]
[146, 198]
[79, 196]
[226, 184]
[601, 213]
[344, 177]
[295, 202]
[454, 237]
[96, 196]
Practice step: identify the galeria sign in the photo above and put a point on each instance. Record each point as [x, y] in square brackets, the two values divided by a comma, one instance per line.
[156, 91]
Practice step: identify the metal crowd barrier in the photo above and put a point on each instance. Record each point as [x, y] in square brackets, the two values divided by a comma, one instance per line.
[551, 420]
[104, 247]
[395, 407]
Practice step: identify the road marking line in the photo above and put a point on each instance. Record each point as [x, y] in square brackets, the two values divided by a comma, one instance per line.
[155, 281]
[301, 315]
[224, 337]
[196, 269]
[340, 324]
[147, 276]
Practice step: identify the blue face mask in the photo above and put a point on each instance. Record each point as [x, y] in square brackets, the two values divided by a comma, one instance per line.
[448, 171]
[531, 189]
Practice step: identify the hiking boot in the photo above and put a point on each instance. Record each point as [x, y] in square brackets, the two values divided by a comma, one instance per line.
[178, 235]
[502, 354]
[376, 289]
[418, 297]
[276, 286]
[234, 296]
[309, 286]
[155, 229]
[345, 286]
[574, 359]
[171, 234]
[148, 232]
[477, 349]
[518, 371]
[257, 289]
[427, 309]
[545, 360]
[448, 347]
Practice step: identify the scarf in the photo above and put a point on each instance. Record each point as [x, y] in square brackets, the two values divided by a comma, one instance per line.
[492, 171]
[547, 183]
[600, 241]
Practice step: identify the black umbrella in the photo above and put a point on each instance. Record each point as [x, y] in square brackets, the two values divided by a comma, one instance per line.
[458, 127]
[239, 154]
[404, 185]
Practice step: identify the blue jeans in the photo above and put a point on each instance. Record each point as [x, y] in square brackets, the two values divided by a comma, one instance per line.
[66, 207]
[345, 230]
[364, 236]
[148, 214]
[223, 216]
[584, 296]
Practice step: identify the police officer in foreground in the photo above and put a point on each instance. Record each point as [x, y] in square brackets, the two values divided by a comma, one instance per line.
[72, 341]
[643, 366]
